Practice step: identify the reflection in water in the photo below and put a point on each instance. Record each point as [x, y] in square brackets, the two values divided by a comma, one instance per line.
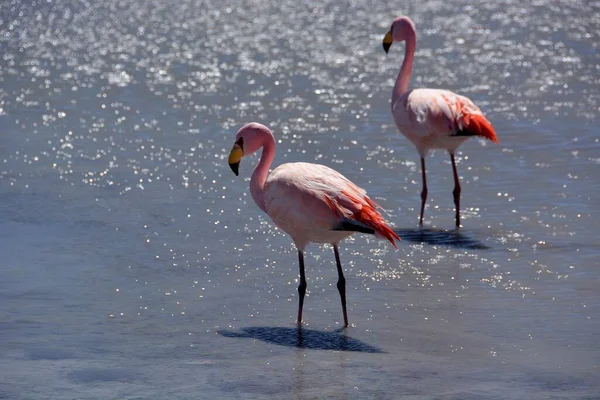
[117, 118]
[337, 378]
[299, 374]
[303, 338]
[453, 238]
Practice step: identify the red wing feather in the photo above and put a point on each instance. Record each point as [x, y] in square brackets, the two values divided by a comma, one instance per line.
[365, 212]
[477, 125]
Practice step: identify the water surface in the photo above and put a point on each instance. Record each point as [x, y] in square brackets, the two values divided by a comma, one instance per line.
[136, 265]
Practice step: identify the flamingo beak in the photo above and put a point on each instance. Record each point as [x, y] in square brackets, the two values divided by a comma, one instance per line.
[235, 156]
[387, 41]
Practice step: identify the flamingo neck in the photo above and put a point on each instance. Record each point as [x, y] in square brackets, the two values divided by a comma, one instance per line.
[259, 176]
[403, 79]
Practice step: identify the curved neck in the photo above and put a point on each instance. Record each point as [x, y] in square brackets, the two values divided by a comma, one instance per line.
[259, 176]
[403, 79]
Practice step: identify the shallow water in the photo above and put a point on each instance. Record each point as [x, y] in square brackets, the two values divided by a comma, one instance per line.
[136, 265]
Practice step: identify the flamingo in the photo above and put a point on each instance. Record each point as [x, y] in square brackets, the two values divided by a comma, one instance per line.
[310, 202]
[432, 118]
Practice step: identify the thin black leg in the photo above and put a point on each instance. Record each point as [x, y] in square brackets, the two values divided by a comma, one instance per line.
[302, 285]
[341, 284]
[456, 191]
[424, 191]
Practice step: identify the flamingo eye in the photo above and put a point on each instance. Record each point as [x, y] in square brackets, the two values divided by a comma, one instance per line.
[240, 142]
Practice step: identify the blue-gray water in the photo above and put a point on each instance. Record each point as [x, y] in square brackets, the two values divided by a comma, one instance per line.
[135, 265]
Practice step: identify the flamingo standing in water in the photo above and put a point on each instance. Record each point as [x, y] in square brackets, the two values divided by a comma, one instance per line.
[432, 118]
[310, 202]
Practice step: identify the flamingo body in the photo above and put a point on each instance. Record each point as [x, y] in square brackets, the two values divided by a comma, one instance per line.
[310, 202]
[439, 119]
[307, 201]
[432, 118]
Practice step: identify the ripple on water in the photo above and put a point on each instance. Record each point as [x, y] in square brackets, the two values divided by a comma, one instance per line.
[118, 115]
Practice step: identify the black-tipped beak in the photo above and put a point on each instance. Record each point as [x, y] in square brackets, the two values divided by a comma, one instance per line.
[235, 167]
[235, 156]
[387, 42]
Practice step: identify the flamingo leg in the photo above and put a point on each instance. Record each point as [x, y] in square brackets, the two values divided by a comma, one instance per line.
[424, 191]
[341, 284]
[456, 191]
[301, 286]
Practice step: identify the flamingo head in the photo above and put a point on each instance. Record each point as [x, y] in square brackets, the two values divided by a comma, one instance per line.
[248, 140]
[402, 28]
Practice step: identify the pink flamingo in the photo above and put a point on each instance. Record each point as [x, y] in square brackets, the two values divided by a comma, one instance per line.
[310, 202]
[432, 118]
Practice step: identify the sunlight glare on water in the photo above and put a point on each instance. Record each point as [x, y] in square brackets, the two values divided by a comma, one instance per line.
[135, 264]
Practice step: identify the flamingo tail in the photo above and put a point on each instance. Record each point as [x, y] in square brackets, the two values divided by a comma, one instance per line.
[477, 125]
[351, 225]
[367, 219]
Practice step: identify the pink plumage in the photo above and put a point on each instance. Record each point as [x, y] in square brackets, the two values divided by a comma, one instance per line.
[310, 202]
[432, 118]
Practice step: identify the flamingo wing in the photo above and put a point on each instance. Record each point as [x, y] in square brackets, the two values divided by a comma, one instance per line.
[437, 113]
[313, 197]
